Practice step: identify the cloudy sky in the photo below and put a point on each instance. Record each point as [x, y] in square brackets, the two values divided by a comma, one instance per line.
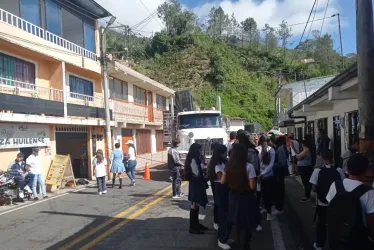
[272, 12]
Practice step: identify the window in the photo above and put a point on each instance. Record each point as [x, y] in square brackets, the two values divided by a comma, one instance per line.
[10, 6]
[161, 102]
[53, 14]
[15, 69]
[80, 86]
[118, 89]
[72, 28]
[143, 141]
[160, 140]
[30, 11]
[89, 38]
[200, 121]
[139, 95]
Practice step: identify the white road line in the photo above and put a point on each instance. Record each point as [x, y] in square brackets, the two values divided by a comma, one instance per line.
[277, 234]
[38, 202]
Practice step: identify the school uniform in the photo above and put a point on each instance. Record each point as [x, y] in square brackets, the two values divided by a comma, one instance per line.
[100, 173]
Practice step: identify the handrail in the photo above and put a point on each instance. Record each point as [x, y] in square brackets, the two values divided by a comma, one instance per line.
[20, 23]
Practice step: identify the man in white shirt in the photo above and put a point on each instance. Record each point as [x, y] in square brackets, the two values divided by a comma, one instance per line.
[231, 141]
[358, 166]
[33, 161]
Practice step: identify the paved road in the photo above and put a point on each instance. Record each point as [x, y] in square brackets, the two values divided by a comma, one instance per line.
[141, 217]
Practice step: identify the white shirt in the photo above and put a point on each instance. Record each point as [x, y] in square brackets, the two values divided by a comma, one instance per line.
[100, 168]
[195, 167]
[229, 145]
[35, 165]
[131, 154]
[220, 168]
[367, 200]
[314, 180]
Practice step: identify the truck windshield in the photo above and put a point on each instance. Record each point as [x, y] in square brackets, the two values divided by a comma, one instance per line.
[200, 121]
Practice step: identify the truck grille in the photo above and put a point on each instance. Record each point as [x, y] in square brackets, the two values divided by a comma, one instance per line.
[208, 146]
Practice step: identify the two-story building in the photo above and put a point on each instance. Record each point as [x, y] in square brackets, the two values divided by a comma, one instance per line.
[138, 103]
[51, 93]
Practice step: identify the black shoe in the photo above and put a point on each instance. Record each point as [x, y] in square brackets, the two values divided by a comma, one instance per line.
[305, 199]
[203, 228]
[36, 199]
[45, 197]
[120, 187]
[195, 231]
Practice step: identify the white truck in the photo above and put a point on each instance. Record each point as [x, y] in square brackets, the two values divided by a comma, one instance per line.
[203, 127]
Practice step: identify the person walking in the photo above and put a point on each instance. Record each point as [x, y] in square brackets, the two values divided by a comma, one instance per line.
[131, 162]
[240, 176]
[175, 164]
[33, 161]
[266, 177]
[117, 168]
[306, 168]
[280, 172]
[99, 163]
[197, 187]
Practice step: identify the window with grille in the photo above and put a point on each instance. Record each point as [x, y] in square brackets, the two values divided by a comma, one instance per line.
[160, 140]
[80, 87]
[118, 89]
[139, 95]
[143, 141]
[16, 71]
[161, 102]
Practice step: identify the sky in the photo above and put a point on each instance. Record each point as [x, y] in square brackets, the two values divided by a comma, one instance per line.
[272, 12]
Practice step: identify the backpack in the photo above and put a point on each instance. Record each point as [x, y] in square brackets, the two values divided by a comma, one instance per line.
[346, 229]
[326, 177]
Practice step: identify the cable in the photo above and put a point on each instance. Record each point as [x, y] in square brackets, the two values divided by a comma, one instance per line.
[327, 5]
[143, 21]
[311, 24]
[151, 14]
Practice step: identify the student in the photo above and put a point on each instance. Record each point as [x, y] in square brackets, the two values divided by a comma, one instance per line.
[221, 194]
[267, 158]
[99, 163]
[131, 162]
[241, 179]
[323, 144]
[305, 167]
[175, 164]
[321, 179]
[231, 141]
[117, 168]
[280, 172]
[196, 188]
[350, 215]
[353, 149]
[295, 150]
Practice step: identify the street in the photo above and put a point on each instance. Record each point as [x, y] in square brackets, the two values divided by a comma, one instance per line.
[140, 217]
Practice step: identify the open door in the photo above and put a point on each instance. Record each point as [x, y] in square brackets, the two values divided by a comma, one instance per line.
[150, 106]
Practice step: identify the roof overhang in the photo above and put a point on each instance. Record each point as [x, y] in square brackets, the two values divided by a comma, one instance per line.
[92, 8]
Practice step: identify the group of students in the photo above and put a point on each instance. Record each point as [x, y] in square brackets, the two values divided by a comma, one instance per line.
[120, 164]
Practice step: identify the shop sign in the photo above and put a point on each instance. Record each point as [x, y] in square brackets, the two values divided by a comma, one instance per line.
[23, 135]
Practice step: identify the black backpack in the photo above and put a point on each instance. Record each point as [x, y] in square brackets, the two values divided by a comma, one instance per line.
[346, 229]
[326, 177]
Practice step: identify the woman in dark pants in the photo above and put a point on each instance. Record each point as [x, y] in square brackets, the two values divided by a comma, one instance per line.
[280, 172]
[196, 188]
[241, 179]
[305, 167]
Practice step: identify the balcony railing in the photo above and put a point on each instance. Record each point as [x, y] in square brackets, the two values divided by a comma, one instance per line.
[20, 23]
[86, 100]
[131, 112]
[14, 87]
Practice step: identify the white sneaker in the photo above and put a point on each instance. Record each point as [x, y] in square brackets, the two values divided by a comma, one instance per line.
[269, 217]
[259, 228]
[215, 226]
[277, 212]
[223, 245]
[28, 189]
[21, 195]
[181, 195]
[104, 192]
[176, 197]
[100, 193]
[316, 248]
[263, 211]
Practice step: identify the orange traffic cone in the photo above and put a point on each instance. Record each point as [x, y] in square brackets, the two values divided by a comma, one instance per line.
[147, 173]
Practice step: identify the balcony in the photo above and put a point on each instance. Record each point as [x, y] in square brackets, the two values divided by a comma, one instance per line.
[40, 40]
[128, 112]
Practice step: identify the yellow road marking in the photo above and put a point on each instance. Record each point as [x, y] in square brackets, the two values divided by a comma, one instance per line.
[124, 222]
[115, 217]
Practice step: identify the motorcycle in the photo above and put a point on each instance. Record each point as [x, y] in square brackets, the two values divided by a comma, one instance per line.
[8, 187]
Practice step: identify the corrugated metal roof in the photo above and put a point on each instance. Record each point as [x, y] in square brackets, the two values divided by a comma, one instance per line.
[92, 7]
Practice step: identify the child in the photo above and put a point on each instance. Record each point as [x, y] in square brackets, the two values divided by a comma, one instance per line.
[99, 163]
[321, 179]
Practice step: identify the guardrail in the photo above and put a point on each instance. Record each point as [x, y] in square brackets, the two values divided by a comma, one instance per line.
[86, 100]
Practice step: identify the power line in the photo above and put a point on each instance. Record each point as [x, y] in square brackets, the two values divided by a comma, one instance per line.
[150, 13]
[327, 5]
[311, 24]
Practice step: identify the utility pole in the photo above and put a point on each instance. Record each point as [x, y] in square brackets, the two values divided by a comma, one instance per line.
[365, 60]
[341, 43]
[277, 101]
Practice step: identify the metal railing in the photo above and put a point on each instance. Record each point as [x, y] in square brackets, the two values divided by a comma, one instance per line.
[86, 100]
[20, 23]
[129, 111]
[14, 87]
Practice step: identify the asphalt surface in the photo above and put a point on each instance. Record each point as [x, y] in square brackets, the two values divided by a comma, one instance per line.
[140, 217]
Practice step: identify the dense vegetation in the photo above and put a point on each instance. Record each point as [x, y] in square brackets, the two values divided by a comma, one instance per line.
[226, 57]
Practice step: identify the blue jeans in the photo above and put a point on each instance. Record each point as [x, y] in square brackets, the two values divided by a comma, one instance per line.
[130, 170]
[38, 178]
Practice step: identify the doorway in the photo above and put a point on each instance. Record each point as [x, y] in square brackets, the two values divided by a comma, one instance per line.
[337, 139]
[150, 106]
[126, 136]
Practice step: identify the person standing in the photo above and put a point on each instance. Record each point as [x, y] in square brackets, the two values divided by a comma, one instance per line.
[175, 164]
[305, 167]
[353, 149]
[240, 176]
[231, 140]
[295, 150]
[323, 144]
[33, 161]
[17, 170]
[131, 162]
[117, 168]
[99, 163]
[280, 172]
[197, 187]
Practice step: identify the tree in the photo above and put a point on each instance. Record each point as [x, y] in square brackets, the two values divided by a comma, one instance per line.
[250, 31]
[176, 20]
[284, 33]
[271, 40]
[218, 22]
